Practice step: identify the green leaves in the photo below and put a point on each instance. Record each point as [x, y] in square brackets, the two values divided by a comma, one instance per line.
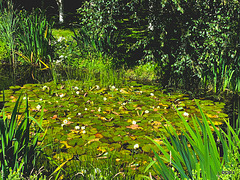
[193, 150]
[18, 147]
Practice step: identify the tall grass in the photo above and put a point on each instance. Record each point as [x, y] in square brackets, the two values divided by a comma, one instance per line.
[19, 150]
[35, 34]
[197, 153]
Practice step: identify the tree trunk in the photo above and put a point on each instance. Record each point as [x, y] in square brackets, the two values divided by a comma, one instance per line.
[60, 10]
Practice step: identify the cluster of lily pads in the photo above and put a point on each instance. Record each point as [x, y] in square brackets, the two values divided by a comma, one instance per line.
[81, 120]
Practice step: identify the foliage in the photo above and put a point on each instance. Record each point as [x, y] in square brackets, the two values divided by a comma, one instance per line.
[35, 34]
[195, 154]
[19, 150]
[8, 30]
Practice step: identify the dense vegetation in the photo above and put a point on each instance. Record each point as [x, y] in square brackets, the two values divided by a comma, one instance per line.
[80, 84]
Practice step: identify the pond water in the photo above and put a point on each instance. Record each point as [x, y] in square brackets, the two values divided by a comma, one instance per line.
[82, 118]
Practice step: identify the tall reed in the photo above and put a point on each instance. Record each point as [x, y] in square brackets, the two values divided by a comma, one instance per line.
[195, 154]
[19, 149]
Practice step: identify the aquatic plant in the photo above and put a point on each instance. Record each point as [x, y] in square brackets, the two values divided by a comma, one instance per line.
[19, 149]
[197, 153]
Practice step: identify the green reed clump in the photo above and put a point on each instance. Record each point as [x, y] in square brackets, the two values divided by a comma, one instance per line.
[195, 154]
[34, 36]
[19, 149]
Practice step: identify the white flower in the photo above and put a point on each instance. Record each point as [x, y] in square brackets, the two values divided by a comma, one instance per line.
[185, 114]
[44, 88]
[65, 121]
[134, 122]
[140, 92]
[77, 127]
[104, 98]
[151, 94]
[86, 109]
[84, 132]
[24, 98]
[62, 125]
[83, 127]
[123, 104]
[116, 89]
[38, 107]
[97, 170]
[40, 99]
[79, 114]
[61, 95]
[147, 111]
[76, 88]
[77, 92]
[158, 107]
[136, 146]
[61, 57]
[99, 109]
[97, 87]
[113, 87]
[69, 118]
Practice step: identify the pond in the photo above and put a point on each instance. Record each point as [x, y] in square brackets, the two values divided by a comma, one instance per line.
[86, 121]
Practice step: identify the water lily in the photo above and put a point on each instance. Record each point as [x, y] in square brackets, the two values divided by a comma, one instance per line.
[136, 146]
[38, 107]
[147, 111]
[185, 114]
[44, 88]
[77, 127]
[151, 94]
[104, 98]
[134, 122]
[113, 87]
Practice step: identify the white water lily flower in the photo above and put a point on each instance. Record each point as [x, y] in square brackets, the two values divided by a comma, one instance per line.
[151, 94]
[113, 87]
[97, 87]
[104, 98]
[44, 88]
[61, 95]
[77, 92]
[38, 107]
[147, 111]
[185, 114]
[77, 127]
[136, 146]
[84, 132]
[83, 127]
[134, 122]
[65, 121]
